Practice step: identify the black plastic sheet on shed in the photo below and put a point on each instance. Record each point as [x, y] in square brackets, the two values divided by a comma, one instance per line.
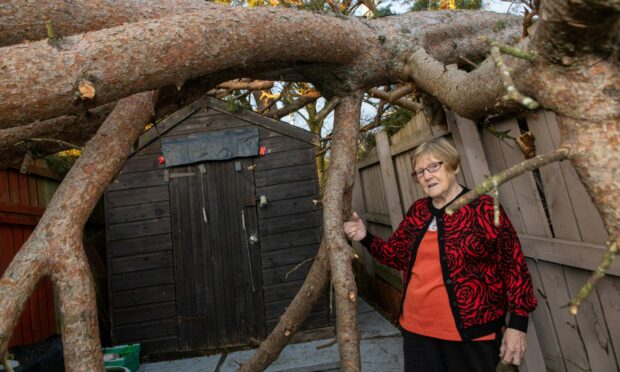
[220, 145]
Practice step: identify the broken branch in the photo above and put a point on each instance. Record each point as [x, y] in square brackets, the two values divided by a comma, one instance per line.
[597, 275]
[489, 184]
[509, 85]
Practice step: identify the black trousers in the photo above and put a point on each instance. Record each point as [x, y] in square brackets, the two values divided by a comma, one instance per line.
[427, 354]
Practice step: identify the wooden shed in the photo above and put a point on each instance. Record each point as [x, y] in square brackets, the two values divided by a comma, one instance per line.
[201, 252]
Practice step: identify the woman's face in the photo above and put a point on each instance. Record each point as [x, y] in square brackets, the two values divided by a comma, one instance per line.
[438, 183]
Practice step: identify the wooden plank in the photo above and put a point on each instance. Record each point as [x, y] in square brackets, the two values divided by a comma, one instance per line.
[146, 244]
[128, 230]
[288, 206]
[283, 143]
[495, 158]
[138, 279]
[258, 119]
[289, 256]
[467, 140]
[533, 359]
[216, 245]
[138, 196]
[285, 159]
[137, 179]
[543, 321]
[4, 186]
[379, 218]
[206, 124]
[286, 174]
[14, 188]
[528, 199]
[289, 190]
[390, 186]
[152, 148]
[276, 308]
[278, 275]
[256, 307]
[416, 141]
[141, 262]
[290, 239]
[145, 330]
[375, 199]
[359, 206]
[134, 213]
[591, 322]
[590, 223]
[406, 182]
[144, 313]
[142, 296]
[368, 161]
[18, 219]
[290, 222]
[158, 346]
[315, 320]
[167, 124]
[556, 193]
[32, 191]
[608, 291]
[571, 343]
[576, 254]
[141, 163]
[277, 292]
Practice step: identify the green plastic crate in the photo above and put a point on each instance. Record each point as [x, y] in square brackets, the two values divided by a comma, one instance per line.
[129, 356]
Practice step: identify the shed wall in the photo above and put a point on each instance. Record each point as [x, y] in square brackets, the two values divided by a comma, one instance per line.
[141, 254]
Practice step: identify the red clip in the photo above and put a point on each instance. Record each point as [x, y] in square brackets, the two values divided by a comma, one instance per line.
[262, 150]
[161, 160]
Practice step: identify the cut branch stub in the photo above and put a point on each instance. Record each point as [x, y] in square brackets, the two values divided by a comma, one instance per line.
[86, 89]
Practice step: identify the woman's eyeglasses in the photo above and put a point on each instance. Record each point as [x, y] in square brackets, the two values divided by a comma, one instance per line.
[432, 168]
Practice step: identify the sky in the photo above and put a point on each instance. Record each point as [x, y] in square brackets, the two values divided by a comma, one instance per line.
[398, 6]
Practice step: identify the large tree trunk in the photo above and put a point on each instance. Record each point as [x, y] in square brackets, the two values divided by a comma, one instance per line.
[55, 246]
[340, 179]
[40, 80]
[26, 20]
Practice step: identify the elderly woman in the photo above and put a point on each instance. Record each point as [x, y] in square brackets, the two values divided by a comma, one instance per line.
[462, 274]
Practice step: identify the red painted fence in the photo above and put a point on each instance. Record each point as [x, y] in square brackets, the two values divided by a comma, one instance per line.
[22, 202]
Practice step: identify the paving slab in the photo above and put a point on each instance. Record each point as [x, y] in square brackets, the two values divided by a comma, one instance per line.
[198, 364]
[372, 324]
[380, 350]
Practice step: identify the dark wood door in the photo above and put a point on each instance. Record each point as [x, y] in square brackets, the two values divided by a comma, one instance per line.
[217, 259]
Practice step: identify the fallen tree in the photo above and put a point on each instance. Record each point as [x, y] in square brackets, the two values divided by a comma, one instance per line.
[568, 64]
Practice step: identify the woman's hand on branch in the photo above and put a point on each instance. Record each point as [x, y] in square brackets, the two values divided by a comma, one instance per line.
[354, 229]
[513, 346]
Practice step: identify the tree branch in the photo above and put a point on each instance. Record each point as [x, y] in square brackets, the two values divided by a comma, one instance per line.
[247, 84]
[402, 102]
[597, 275]
[55, 246]
[511, 90]
[340, 182]
[329, 107]
[493, 182]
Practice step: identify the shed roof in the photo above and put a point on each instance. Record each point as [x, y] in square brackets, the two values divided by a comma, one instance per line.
[206, 103]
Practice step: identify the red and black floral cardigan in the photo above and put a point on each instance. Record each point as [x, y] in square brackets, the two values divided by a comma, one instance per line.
[483, 268]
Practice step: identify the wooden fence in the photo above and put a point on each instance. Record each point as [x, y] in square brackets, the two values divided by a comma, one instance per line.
[22, 202]
[560, 229]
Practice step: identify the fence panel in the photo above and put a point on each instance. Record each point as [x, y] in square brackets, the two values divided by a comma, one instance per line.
[560, 229]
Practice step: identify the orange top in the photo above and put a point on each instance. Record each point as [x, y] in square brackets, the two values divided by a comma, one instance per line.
[426, 310]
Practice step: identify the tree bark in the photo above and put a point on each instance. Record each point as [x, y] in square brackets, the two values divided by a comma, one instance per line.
[179, 48]
[24, 20]
[340, 180]
[55, 246]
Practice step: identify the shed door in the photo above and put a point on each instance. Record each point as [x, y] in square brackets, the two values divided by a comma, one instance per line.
[217, 263]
